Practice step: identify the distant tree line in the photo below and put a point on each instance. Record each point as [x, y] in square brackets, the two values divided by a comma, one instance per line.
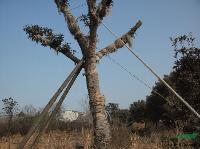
[16, 120]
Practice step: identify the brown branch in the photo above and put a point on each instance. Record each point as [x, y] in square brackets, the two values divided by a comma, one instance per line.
[91, 6]
[93, 23]
[104, 8]
[63, 49]
[72, 25]
[92, 14]
[118, 43]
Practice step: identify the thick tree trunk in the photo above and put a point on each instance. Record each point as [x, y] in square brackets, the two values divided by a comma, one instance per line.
[97, 105]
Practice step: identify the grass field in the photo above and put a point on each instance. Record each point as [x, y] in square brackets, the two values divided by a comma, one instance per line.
[122, 139]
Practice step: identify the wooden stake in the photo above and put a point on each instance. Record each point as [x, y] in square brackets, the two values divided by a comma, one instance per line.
[48, 106]
[46, 122]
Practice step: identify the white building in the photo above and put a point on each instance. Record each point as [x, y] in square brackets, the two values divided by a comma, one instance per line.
[69, 115]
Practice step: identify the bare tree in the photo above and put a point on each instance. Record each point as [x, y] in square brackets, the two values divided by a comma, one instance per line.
[29, 110]
[87, 44]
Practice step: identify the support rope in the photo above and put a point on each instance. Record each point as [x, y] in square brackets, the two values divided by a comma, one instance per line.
[140, 80]
[155, 74]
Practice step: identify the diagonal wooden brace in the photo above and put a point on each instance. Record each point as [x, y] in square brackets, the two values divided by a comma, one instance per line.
[47, 121]
[48, 106]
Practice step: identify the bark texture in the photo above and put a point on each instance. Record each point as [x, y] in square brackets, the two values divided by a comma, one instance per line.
[97, 105]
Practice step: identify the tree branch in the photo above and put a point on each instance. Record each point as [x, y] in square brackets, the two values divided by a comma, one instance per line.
[126, 38]
[93, 23]
[72, 25]
[104, 8]
[91, 7]
[46, 37]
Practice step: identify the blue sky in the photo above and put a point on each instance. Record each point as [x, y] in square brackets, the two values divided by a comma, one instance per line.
[31, 73]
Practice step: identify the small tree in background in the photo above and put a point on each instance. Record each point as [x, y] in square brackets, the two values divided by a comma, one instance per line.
[10, 107]
[29, 110]
[112, 108]
[137, 111]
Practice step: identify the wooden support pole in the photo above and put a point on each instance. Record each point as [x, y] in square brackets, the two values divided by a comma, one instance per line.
[157, 76]
[47, 121]
[48, 106]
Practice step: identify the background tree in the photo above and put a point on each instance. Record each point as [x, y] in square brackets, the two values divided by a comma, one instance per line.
[9, 108]
[186, 71]
[87, 43]
[29, 110]
[112, 109]
[184, 78]
[137, 111]
[157, 106]
[123, 116]
[116, 114]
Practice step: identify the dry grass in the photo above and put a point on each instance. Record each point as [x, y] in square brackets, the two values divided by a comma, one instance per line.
[54, 140]
[122, 139]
